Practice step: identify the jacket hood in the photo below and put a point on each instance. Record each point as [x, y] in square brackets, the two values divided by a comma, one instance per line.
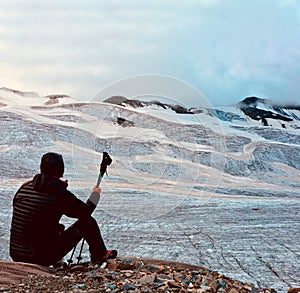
[47, 183]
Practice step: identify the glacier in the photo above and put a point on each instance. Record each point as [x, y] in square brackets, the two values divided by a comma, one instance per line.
[214, 187]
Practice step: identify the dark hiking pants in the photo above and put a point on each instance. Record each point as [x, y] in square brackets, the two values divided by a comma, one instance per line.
[87, 229]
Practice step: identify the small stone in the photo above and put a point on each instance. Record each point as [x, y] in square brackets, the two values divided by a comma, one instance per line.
[78, 286]
[126, 264]
[294, 290]
[128, 273]
[112, 264]
[178, 277]
[214, 285]
[147, 279]
[110, 285]
[151, 268]
[190, 285]
[139, 264]
[110, 275]
[129, 287]
[164, 277]
[204, 287]
[173, 284]
[250, 288]
[160, 268]
[186, 282]
[222, 283]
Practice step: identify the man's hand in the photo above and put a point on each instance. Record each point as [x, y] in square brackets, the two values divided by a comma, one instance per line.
[94, 197]
[96, 189]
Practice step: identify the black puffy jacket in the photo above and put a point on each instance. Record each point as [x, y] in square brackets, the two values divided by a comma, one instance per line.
[37, 208]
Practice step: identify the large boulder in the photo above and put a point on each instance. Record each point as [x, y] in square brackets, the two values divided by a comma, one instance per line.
[15, 272]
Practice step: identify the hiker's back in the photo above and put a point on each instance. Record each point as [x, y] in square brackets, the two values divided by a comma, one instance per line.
[35, 228]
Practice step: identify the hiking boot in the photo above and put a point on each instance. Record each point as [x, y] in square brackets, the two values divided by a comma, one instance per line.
[110, 254]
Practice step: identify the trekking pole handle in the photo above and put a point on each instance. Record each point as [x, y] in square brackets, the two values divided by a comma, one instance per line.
[106, 161]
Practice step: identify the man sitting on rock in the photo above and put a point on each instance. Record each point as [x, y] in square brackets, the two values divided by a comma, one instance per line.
[36, 234]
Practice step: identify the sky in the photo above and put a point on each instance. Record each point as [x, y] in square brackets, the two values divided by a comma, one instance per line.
[226, 49]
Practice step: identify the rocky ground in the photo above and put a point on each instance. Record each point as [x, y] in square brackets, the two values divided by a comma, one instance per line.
[133, 275]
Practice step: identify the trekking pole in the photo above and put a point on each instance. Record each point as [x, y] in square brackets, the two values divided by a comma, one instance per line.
[106, 161]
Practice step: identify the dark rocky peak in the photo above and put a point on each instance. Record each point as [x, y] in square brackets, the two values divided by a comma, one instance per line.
[57, 96]
[135, 103]
[180, 110]
[54, 99]
[252, 101]
[263, 109]
[115, 100]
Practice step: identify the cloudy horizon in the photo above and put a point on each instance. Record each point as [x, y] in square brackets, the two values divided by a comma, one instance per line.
[227, 49]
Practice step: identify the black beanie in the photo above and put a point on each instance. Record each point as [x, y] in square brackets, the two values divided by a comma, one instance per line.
[52, 164]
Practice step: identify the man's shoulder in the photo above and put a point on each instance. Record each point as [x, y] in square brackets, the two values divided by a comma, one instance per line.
[26, 185]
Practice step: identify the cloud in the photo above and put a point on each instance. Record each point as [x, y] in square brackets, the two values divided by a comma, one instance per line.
[227, 49]
[252, 47]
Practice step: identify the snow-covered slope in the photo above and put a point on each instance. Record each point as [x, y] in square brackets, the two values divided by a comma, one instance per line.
[212, 151]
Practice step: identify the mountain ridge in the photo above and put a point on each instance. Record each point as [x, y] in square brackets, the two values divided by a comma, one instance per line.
[255, 108]
[258, 109]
